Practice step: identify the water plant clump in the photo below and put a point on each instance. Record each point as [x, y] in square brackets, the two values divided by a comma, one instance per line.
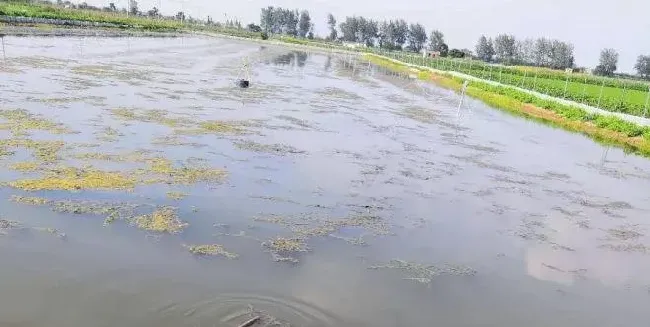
[149, 116]
[29, 200]
[26, 166]
[165, 171]
[45, 151]
[162, 220]
[7, 225]
[20, 122]
[176, 195]
[211, 250]
[285, 249]
[75, 179]
[277, 149]
[425, 273]
[221, 127]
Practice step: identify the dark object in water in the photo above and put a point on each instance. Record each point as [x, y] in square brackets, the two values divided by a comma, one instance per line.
[243, 83]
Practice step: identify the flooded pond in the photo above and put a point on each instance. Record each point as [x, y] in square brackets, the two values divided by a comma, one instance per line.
[140, 187]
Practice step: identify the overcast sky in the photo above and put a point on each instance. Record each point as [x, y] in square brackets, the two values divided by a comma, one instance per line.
[589, 24]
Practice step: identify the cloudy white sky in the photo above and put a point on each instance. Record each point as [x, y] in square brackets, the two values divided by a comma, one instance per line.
[589, 24]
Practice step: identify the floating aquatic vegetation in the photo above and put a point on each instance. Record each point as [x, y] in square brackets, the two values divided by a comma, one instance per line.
[35, 201]
[4, 152]
[46, 151]
[222, 127]
[135, 156]
[295, 121]
[108, 134]
[422, 115]
[149, 116]
[52, 231]
[175, 140]
[74, 179]
[20, 122]
[425, 273]
[278, 149]
[624, 233]
[182, 175]
[162, 220]
[285, 249]
[7, 225]
[176, 195]
[632, 247]
[27, 166]
[210, 250]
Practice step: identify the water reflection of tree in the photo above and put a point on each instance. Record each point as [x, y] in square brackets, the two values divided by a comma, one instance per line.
[295, 58]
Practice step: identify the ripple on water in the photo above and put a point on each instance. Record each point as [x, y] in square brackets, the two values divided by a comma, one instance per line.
[234, 309]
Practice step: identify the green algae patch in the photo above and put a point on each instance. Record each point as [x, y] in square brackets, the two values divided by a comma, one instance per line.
[7, 225]
[46, 151]
[52, 231]
[160, 117]
[425, 273]
[176, 195]
[222, 127]
[210, 250]
[277, 149]
[21, 122]
[164, 171]
[285, 249]
[162, 220]
[29, 200]
[27, 166]
[75, 179]
[139, 156]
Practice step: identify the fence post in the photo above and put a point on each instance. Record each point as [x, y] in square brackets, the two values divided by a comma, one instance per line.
[566, 84]
[584, 90]
[602, 85]
[535, 81]
[620, 103]
[647, 98]
[523, 81]
[500, 72]
[4, 55]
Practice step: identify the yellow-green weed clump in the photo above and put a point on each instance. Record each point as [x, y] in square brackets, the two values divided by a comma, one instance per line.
[285, 249]
[176, 195]
[183, 175]
[163, 220]
[221, 127]
[149, 116]
[35, 201]
[211, 250]
[20, 122]
[74, 179]
[27, 166]
[46, 151]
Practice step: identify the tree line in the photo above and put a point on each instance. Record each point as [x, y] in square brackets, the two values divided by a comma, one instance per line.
[541, 52]
[277, 20]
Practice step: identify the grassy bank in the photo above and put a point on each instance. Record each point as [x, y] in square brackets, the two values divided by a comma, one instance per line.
[617, 95]
[604, 129]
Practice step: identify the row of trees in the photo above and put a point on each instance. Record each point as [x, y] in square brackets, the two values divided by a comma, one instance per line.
[542, 52]
[609, 60]
[392, 34]
[278, 20]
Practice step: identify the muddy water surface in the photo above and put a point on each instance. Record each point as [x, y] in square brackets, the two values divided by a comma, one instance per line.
[141, 188]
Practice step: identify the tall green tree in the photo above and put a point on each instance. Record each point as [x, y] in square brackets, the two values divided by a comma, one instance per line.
[642, 66]
[484, 49]
[505, 48]
[607, 63]
[331, 22]
[436, 41]
[417, 37]
[304, 24]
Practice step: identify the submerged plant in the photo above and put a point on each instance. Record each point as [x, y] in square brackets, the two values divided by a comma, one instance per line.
[20, 122]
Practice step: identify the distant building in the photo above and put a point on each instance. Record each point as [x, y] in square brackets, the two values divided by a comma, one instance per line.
[430, 54]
